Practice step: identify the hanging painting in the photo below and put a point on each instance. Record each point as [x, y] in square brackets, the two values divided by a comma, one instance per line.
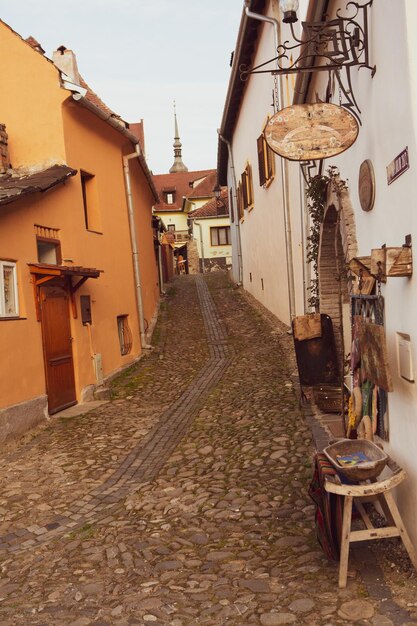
[303, 132]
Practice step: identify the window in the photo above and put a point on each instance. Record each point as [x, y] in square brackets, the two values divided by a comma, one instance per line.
[266, 161]
[171, 227]
[90, 201]
[49, 251]
[169, 196]
[247, 189]
[240, 201]
[125, 334]
[8, 289]
[220, 235]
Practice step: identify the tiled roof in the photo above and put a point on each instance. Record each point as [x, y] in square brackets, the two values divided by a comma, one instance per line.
[213, 208]
[181, 183]
[205, 188]
[16, 185]
[94, 99]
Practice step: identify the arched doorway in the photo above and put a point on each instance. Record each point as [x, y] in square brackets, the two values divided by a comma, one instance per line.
[338, 245]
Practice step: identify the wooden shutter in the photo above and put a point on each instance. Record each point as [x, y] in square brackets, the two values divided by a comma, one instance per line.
[240, 200]
[261, 160]
[245, 190]
[231, 209]
[249, 186]
[270, 162]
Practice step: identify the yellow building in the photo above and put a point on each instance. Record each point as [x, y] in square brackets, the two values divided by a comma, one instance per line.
[78, 275]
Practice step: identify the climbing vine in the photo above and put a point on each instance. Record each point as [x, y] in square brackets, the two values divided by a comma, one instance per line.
[316, 204]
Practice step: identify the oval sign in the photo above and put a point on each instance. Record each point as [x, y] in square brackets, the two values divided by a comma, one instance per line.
[311, 131]
[366, 185]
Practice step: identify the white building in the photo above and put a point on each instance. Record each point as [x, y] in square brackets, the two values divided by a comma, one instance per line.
[376, 208]
[211, 232]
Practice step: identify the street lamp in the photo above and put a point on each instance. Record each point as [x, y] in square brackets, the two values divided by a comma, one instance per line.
[289, 9]
[217, 191]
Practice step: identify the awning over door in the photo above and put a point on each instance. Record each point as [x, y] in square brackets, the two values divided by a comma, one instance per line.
[42, 273]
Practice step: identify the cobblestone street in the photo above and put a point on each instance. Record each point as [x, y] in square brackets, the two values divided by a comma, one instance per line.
[183, 501]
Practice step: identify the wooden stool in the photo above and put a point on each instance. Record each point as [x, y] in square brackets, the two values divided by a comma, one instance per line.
[378, 490]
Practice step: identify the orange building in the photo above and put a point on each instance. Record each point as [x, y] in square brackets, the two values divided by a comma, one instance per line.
[78, 258]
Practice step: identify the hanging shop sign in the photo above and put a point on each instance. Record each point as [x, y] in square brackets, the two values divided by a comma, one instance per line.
[366, 186]
[398, 166]
[316, 131]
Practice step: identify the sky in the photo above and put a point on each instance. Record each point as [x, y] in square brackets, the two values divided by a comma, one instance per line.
[140, 56]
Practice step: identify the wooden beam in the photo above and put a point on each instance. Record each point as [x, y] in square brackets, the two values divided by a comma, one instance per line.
[80, 282]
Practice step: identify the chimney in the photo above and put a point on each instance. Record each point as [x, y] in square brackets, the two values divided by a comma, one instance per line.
[66, 61]
[4, 150]
[137, 129]
[35, 44]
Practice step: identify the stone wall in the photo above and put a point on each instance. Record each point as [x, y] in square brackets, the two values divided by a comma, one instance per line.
[194, 263]
[19, 418]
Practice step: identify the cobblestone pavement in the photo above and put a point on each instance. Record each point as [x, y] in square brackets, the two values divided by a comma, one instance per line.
[184, 500]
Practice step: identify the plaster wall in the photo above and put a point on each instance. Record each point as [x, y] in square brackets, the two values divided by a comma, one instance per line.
[389, 104]
[179, 220]
[84, 142]
[262, 229]
[212, 252]
[32, 83]
[96, 148]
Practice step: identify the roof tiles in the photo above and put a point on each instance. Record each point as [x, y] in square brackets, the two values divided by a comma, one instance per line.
[182, 184]
[213, 208]
[15, 185]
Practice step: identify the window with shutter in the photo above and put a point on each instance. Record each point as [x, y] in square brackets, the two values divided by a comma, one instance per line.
[247, 189]
[270, 160]
[240, 201]
[261, 160]
[249, 186]
[265, 161]
[244, 190]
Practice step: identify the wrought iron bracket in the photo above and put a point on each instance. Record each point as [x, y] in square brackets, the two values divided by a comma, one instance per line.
[333, 46]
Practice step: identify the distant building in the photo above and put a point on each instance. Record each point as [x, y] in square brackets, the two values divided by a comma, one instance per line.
[180, 192]
[211, 230]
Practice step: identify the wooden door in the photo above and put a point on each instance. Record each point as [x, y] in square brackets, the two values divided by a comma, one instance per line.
[56, 334]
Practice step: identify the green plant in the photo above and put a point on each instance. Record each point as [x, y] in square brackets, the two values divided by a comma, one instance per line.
[316, 203]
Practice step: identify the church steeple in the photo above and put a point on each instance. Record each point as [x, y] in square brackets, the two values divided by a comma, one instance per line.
[178, 165]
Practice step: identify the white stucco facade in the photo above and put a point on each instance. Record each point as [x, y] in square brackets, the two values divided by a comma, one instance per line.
[208, 248]
[388, 103]
[262, 229]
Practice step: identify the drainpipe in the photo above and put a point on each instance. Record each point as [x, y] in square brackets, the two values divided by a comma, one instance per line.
[134, 243]
[284, 171]
[234, 188]
[201, 244]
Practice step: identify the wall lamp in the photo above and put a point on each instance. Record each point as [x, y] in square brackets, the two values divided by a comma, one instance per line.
[331, 45]
[289, 9]
[217, 191]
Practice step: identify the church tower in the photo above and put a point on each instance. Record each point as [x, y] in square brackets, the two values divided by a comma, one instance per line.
[178, 165]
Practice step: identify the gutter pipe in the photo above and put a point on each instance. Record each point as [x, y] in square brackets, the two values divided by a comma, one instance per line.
[284, 172]
[237, 225]
[133, 240]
